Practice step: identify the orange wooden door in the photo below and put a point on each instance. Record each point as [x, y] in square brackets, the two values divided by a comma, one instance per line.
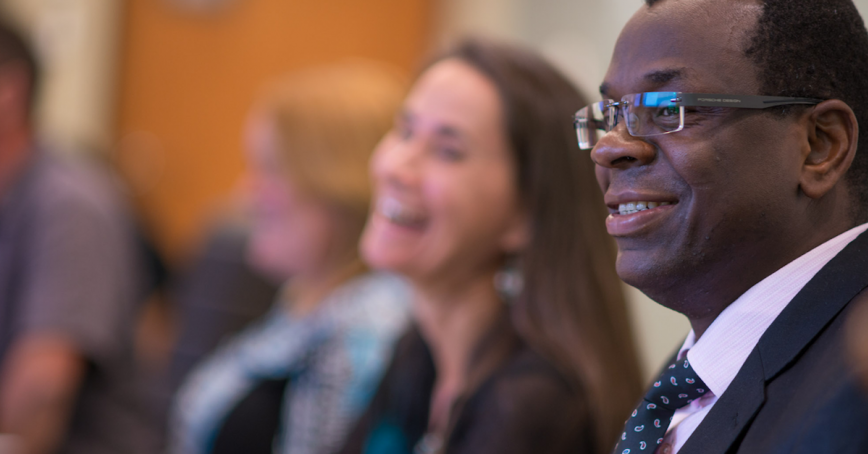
[187, 81]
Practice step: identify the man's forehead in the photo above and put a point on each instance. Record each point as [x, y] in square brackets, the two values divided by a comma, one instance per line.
[684, 45]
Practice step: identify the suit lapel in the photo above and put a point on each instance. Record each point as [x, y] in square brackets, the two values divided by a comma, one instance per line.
[824, 297]
[732, 412]
[801, 321]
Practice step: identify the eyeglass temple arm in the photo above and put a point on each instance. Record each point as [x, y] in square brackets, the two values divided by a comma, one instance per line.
[740, 101]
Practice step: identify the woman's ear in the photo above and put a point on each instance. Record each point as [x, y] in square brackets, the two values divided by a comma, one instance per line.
[833, 135]
[517, 235]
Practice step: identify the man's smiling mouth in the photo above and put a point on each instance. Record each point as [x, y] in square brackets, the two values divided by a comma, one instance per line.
[635, 207]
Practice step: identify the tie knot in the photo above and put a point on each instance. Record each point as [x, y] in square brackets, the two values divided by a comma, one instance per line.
[677, 386]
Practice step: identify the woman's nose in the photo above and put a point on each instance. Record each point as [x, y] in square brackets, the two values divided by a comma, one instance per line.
[396, 163]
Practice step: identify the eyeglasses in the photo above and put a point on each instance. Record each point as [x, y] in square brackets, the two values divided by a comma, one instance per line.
[656, 113]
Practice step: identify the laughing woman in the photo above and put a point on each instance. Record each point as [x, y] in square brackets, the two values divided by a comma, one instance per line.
[484, 203]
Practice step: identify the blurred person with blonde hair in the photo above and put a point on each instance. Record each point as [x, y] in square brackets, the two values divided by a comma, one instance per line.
[294, 381]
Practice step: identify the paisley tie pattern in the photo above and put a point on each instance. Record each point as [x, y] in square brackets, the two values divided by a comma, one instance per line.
[677, 386]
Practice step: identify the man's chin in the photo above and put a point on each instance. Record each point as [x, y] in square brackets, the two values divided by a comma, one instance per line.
[636, 266]
[646, 274]
[666, 285]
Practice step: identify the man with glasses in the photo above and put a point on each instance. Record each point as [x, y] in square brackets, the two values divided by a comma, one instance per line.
[727, 146]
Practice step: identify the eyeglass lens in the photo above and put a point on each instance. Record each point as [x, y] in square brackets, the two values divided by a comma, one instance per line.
[645, 114]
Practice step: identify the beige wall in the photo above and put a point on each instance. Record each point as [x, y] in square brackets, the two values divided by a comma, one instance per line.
[77, 41]
[577, 35]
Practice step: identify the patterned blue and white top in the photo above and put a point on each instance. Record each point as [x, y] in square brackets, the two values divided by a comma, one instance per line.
[333, 358]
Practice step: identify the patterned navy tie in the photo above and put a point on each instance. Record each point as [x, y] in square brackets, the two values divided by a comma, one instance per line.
[676, 387]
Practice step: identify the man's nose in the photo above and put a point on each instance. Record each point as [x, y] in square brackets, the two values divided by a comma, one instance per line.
[619, 150]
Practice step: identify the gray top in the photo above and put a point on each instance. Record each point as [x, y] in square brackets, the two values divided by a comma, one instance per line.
[69, 266]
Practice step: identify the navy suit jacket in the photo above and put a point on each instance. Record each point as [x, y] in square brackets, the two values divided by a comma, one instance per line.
[795, 392]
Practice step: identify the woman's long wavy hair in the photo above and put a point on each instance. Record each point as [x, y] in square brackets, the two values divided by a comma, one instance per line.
[571, 308]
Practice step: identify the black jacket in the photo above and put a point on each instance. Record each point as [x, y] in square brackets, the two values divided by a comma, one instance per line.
[795, 392]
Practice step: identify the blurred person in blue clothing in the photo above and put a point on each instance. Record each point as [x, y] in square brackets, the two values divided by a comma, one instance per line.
[296, 380]
[70, 280]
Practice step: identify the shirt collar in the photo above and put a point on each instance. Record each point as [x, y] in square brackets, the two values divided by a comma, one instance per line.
[723, 348]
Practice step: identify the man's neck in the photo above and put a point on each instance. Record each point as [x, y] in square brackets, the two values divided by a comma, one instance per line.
[718, 297]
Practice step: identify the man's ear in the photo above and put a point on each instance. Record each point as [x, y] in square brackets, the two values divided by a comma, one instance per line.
[833, 135]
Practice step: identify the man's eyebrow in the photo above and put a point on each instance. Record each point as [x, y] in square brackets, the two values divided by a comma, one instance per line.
[664, 76]
[653, 78]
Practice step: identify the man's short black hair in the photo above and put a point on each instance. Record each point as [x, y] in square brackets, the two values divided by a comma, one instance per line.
[14, 48]
[817, 49]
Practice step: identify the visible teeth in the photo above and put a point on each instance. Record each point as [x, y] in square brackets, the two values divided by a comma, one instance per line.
[635, 207]
[389, 208]
[396, 212]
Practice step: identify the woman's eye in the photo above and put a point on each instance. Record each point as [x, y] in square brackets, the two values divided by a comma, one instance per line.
[447, 153]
